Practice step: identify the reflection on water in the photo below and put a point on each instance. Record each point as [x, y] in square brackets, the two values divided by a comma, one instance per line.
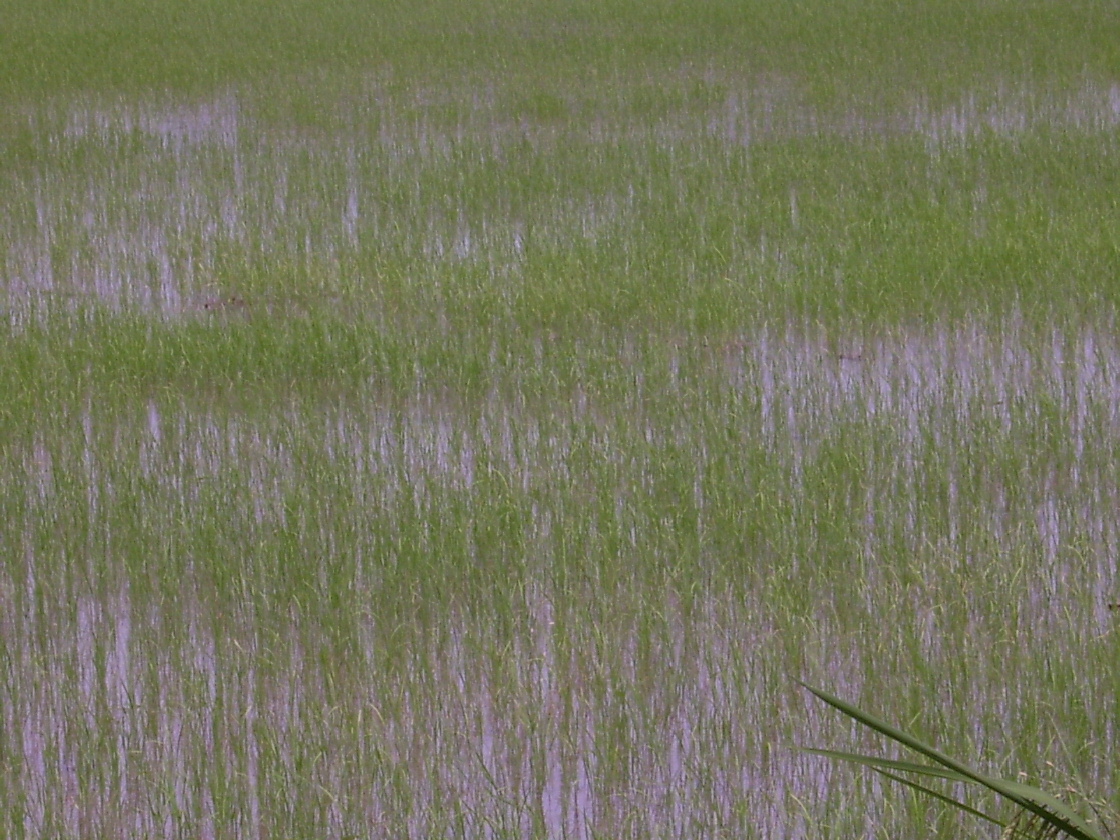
[242, 624]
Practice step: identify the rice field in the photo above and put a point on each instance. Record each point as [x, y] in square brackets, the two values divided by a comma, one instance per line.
[470, 420]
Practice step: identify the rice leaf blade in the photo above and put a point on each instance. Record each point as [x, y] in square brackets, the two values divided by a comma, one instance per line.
[956, 803]
[1047, 807]
[876, 763]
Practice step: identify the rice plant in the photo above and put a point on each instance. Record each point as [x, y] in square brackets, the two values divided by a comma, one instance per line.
[456, 417]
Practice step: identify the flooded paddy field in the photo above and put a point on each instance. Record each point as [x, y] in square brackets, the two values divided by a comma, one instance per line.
[389, 450]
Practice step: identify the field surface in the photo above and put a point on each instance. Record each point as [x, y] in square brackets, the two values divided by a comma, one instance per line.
[468, 419]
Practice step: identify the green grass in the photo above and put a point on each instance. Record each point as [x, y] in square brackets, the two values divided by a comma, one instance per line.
[841, 49]
[452, 255]
[457, 419]
[601, 576]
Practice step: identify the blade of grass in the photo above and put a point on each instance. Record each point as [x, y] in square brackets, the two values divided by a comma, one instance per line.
[1037, 801]
[893, 764]
[964, 806]
[878, 765]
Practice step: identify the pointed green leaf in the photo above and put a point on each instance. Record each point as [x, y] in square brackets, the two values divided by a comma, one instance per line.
[1048, 807]
[878, 765]
[892, 764]
[956, 803]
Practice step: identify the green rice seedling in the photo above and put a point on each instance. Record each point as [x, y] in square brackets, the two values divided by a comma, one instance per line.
[456, 418]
